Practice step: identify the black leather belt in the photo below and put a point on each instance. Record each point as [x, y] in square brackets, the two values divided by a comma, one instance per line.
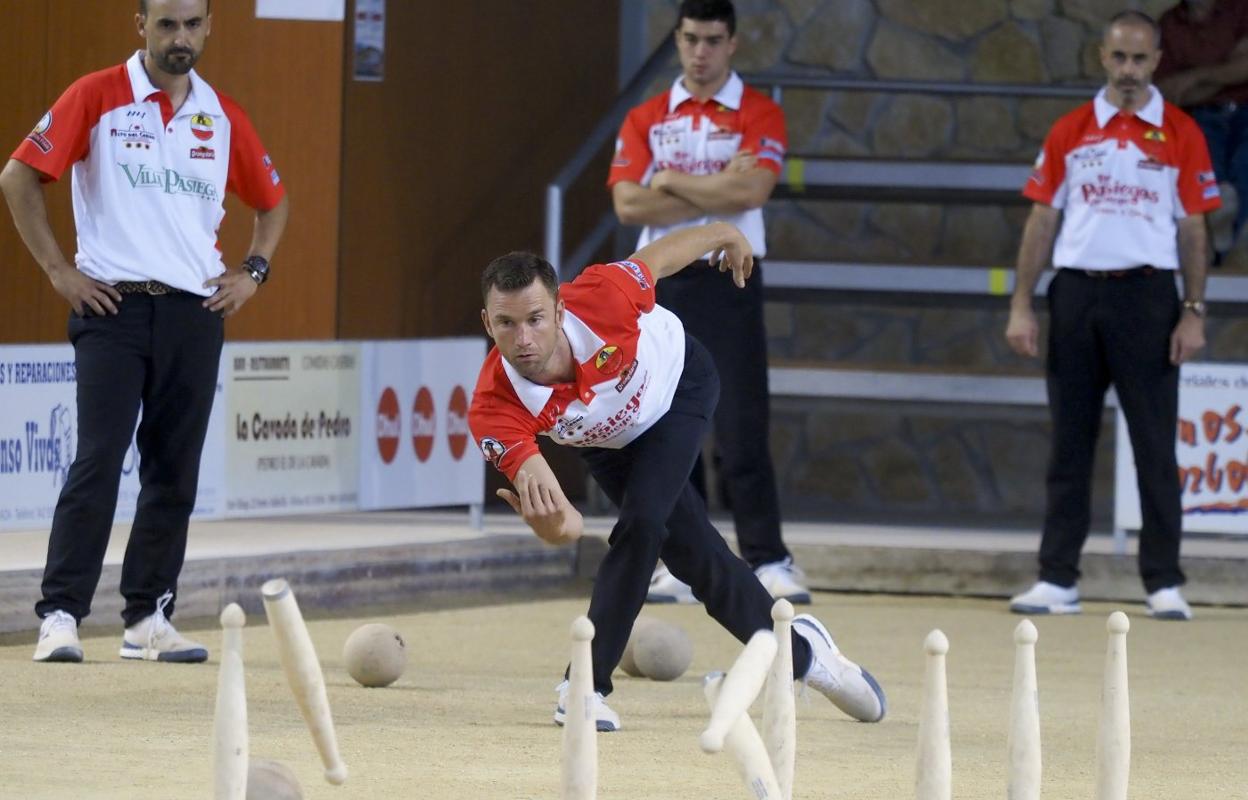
[1134, 272]
[144, 287]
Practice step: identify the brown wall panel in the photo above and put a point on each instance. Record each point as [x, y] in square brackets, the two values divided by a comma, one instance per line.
[288, 75]
[445, 162]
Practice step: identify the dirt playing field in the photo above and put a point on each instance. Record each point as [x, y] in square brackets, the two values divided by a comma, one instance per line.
[471, 718]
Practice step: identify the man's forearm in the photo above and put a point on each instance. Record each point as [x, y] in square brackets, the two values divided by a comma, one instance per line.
[268, 229]
[1193, 256]
[640, 205]
[24, 194]
[1034, 253]
[677, 250]
[727, 192]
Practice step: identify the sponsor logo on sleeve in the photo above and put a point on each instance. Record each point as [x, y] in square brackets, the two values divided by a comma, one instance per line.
[37, 136]
[619, 160]
[771, 148]
[1211, 192]
[493, 450]
[633, 269]
[201, 126]
[1207, 177]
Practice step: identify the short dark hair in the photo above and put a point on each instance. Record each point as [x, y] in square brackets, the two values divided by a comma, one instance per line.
[709, 11]
[517, 270]
[143, 7]
[1133, 17]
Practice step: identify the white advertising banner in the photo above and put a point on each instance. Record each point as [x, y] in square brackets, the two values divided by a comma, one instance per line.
[415, 449]
[39, 438]
[1212, 451]
[293, 426]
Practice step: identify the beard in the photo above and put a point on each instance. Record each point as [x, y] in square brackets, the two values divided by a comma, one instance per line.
[170, 62]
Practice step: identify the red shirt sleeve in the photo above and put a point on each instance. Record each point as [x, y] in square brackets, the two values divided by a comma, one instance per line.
[1197, 184]
[61, 137]
[632, 280]
[763, 134]
[1049, 171]
[252, 175]
[632, 148]
[502, 432]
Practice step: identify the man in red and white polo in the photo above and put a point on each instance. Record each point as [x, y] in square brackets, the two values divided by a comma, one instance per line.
[597, 364]
[1122, 184]
[711, 148]
[152, 150]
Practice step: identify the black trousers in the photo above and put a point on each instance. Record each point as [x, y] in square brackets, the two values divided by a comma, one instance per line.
[729, 322]
[161, 352]
[661, 514]
[1112, 331]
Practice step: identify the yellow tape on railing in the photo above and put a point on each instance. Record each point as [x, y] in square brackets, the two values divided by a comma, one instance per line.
[795, 174]
[998, 280]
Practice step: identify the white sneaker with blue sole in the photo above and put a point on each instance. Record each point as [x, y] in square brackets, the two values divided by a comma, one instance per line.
[850, 687]
[1168, 603]
[1047, 598]
[608, 720]
[58, 639]
[155, 639]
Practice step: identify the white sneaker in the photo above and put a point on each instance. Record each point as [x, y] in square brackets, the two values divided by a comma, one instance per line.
[58, 638]
[850, 687]
[667, 588]
[608, 720]
[1168, 603]
[784, 579]
[154, 638]
[1047, 598]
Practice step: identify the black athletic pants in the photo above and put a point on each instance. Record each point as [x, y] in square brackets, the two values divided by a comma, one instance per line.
[661, 514]
[729, 322]
[1116, 331]
[161, 352]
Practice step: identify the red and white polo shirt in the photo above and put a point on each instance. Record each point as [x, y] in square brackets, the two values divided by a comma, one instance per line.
[675, 130]
[148, 183]
[1122, 180]
[629, 355]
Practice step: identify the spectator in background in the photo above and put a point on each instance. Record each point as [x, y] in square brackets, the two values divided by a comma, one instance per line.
[710, 148]
[1204, 70]
[1123, 185]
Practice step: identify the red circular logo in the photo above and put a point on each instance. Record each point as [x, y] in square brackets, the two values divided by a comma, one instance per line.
[457, 423]
[388, 425]
[424, 424]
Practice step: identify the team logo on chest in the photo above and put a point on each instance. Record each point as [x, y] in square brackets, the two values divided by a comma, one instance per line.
[608, 359]
[135, 137]
[201, 126]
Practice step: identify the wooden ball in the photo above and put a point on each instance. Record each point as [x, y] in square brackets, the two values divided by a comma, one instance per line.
[375, 655]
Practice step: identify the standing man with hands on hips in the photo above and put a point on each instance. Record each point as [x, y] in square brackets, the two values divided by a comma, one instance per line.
[1122, 185]
[152, 149]
[711, 148]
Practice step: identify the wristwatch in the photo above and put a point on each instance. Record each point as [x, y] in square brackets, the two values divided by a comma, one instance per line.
[258, 268]
[1197, 307]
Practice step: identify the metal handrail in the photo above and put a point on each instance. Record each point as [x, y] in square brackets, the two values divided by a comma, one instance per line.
[603, 132]
[658, 61]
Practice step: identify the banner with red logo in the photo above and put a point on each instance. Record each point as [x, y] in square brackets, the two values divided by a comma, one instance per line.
[39, 439]
[1212, 448]
[292, 419]
[414, 442]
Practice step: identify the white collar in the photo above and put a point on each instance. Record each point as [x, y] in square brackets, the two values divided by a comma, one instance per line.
[728, 95]
[584, 343]
[200, 99]
[1150, 113]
